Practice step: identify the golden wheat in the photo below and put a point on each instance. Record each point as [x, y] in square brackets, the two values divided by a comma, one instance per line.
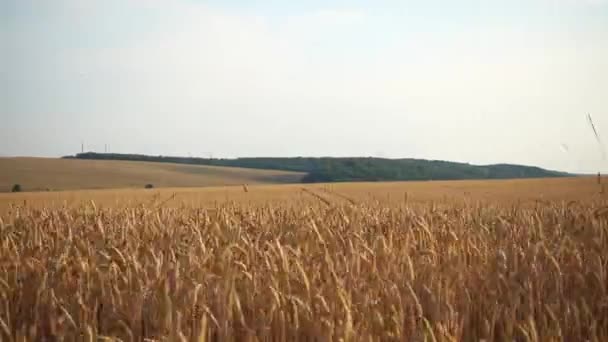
[321, 270]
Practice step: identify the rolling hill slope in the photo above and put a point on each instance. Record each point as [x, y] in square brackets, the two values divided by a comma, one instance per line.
[328, 169]
[40, 174]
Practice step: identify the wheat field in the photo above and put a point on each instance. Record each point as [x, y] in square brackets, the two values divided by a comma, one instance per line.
[53, 174]
[437, 261]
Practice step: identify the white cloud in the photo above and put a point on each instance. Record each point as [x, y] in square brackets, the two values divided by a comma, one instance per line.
[339, 15]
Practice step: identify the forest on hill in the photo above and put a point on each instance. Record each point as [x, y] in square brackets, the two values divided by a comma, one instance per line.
[350, 169]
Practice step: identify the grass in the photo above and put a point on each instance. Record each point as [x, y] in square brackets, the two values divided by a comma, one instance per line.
[40, 174]
[436, 261]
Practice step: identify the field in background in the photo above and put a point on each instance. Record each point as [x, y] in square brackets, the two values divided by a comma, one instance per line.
[523, 191]
[41, 174]
[523, 260]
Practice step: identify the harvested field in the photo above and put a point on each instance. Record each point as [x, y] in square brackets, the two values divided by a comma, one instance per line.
[51, 174]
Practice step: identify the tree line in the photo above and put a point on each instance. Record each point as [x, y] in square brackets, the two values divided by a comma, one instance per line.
[348, 169]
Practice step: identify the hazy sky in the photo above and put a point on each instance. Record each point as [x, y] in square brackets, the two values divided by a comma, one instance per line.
[474, 81]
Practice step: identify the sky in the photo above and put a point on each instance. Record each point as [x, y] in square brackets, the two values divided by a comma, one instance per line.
[485, 81]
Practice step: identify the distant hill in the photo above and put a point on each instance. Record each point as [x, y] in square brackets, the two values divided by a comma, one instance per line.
[328, 169]
[40, 174]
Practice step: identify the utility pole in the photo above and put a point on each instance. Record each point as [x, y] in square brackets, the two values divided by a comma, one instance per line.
[82, 147]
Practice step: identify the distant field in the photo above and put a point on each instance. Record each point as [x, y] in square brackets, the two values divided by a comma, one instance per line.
[41, 174]
[387, 193]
